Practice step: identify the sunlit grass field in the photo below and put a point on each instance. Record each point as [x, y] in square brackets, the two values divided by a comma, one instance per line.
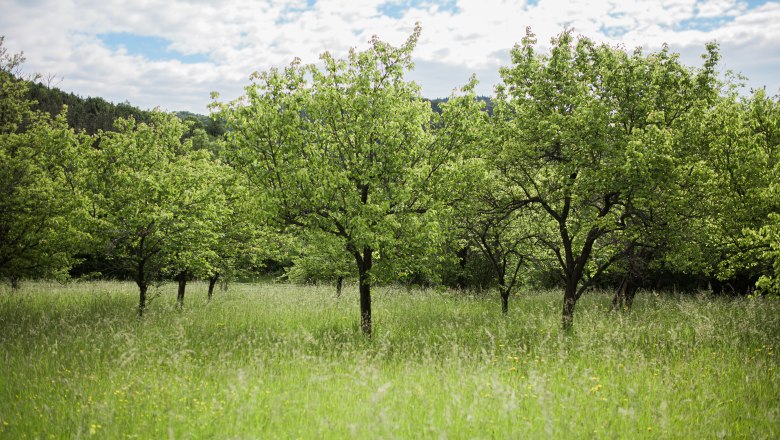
[285, 361]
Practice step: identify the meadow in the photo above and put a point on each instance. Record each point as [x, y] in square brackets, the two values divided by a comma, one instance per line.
[285, 361]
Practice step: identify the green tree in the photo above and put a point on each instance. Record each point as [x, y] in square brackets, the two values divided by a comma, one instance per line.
[587, 138]
[322, 258]
[41, 205]
[741, 138]
[152, 205]
[484, 215]
[201, 216]
[345, 149]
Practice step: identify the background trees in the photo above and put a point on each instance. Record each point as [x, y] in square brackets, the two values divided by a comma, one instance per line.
[742, 147]
[154, 203]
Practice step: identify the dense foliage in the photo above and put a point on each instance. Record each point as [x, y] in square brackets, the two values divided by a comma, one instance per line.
[591, 166]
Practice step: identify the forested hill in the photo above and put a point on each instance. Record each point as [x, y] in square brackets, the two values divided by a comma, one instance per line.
[94, 113]
[436, 103]
[90, 114]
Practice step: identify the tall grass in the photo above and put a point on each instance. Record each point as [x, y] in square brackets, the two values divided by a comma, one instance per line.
[282, 361]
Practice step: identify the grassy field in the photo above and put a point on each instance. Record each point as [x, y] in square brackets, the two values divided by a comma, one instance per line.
[282, 361]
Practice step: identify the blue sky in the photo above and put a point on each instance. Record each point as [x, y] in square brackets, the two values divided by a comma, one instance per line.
[150, 47]
[173, 53]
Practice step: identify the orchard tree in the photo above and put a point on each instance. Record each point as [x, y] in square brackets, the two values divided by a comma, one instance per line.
[321, 258]
[201, 217]
[345, 149]
[244, 242]
[41, 205]
[151, 202]
[741, 138]
[484, 214]
[587, 137]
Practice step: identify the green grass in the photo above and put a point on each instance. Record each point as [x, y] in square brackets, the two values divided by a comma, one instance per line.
[282, 361]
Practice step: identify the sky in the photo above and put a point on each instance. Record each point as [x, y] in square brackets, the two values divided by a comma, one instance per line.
[172, 54]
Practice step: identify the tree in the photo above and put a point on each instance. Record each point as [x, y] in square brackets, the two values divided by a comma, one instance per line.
[244, 243]
[151, 203]
[322, 258]
[589, 142]
[41, 205]
[483, 213]
[741, 144]
[201, 217]
[345, 149]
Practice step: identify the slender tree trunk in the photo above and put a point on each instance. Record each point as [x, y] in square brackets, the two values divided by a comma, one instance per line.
[569, 301]
[182, 278]
[140, 280]
[624, 295]
[212, 282]
[504, 300]
[142, 287]
[365, 291]
[504, 292]
[463, 256]
[339, 285]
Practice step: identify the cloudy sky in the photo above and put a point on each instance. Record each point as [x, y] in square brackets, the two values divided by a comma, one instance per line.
[173, 53]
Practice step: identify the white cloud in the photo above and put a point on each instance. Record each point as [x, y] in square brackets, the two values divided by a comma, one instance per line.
[240, 36]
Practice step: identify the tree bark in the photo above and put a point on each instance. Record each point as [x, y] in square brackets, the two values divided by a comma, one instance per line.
[569, 301]
[624, 295]
[142, 300]
[212, 282]
[140, 280]
[339, 285]
[504, 299]
[364, 267]
[503, 290]
[182, 278]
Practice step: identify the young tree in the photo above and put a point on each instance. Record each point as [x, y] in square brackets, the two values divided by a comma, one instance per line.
[244, 243]
[484, 215]
[345, 149]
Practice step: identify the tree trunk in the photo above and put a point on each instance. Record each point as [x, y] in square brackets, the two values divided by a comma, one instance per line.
[569, 301]
[463, 259]
[140, 280]
[504, 292]
[142, 287]
[504, 299]
[339, 285]
[182, 278]
[212, 282]
[624, 295]
[365, 291]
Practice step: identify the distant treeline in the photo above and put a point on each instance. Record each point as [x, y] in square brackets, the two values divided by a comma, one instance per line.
[93, 114]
